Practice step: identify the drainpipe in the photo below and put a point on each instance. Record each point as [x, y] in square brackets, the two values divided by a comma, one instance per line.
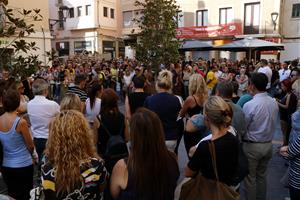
[44, 42]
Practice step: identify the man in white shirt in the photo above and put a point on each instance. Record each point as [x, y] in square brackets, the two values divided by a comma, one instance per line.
[40, 112]
[261, 117]
[284, 72]
[266, 70]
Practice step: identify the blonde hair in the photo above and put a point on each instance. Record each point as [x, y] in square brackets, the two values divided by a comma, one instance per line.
[218, 111]
[197, 86]
[164, 80]
[69, 143]
[70, 102]
[296, 88]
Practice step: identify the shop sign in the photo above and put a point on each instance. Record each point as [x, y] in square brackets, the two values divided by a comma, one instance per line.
[213, 31]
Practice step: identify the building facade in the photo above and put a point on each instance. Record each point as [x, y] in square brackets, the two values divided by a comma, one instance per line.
[90, 25]
[290, 29]
[42, 36]
[250, 18]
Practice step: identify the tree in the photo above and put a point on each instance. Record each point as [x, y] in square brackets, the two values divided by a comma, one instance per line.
[15, 24]
[157, 43]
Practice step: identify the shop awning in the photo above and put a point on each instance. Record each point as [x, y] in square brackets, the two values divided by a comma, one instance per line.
[196, 45]
[248, 44]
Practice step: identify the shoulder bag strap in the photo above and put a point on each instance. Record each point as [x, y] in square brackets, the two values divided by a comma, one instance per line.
[213, 157]
[104, 127]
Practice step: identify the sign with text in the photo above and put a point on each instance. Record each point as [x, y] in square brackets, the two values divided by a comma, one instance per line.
[213, 31]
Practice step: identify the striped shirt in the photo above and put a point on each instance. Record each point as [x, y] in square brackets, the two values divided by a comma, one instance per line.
[79, 92]
[294, 157]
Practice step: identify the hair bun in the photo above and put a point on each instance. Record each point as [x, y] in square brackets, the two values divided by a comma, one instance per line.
[225, 113]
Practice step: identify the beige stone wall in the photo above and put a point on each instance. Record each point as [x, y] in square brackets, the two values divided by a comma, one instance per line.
[32, 4]
[189, 8]
[42, 35]
[290, 27]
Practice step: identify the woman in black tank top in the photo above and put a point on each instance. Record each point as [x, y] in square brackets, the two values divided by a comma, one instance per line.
[193, 105]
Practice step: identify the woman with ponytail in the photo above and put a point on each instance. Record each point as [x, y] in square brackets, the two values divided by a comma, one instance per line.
[167, 107]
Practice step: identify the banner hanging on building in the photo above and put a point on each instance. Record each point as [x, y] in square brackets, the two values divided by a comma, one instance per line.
[194, 32]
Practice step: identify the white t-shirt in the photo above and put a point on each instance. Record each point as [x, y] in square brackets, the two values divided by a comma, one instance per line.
[284, 74]
[41, 111]
[268, 72]
[91, 113]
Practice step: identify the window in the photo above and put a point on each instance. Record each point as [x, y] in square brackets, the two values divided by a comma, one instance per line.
[105, 11]
[79, 11]
[137, 17]
[202, 17]
[225, 15]
[127, 19]
[63, 48]
[180, 19]
[88, 10]
[79, 46]
[112, 13]
[252, 18]
[296, 10]
[71, 12]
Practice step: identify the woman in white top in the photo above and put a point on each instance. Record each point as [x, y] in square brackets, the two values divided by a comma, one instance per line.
[93, 103]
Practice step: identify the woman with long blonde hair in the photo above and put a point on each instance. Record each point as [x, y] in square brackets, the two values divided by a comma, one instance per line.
[198, 94]
[71, 168]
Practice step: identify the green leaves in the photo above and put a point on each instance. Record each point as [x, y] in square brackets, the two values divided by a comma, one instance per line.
[158, 43]
[15, 25]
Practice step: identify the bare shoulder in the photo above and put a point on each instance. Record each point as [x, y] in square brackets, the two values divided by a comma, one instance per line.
[120, 166]
[120, 174]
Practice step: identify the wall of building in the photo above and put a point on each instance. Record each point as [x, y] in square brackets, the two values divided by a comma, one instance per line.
[42, 35]
[189, 9]
[95, 27]
[290, 28]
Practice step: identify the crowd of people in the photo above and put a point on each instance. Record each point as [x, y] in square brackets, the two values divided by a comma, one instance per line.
[63, 135]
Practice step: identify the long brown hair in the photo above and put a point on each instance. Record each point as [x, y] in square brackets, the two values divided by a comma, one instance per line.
[109, 102]
[149, 162]
[69, 144]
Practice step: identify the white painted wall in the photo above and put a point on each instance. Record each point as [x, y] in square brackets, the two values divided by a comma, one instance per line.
[292, 50]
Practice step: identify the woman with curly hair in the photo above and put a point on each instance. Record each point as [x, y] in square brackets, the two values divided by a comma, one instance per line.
[71, 168]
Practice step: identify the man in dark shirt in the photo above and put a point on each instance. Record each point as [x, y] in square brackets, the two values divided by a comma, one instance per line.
[136, 99]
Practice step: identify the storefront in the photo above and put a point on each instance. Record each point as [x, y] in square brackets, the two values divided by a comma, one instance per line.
[109, 47]
[218, 34]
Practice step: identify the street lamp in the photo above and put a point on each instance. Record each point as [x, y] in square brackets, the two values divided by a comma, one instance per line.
[63, 12]
[274, 16]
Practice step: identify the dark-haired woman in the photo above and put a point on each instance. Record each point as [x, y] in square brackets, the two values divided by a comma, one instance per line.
[217, 116]
[93, 103]
[112, 120]
[18, 148]
[287, 106]
[151, 171]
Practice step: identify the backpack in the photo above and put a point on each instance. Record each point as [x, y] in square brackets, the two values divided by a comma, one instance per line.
[116, 149]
